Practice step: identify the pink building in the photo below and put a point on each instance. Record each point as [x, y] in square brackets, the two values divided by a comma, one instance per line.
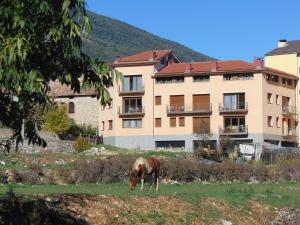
[162, 103]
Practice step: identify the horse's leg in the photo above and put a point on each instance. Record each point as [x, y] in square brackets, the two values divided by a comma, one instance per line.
[142, 181]
[156, 180]
[151, 182]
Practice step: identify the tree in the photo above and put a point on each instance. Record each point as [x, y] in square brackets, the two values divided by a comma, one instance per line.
[40, 41]
[203, 133]
[57, 120]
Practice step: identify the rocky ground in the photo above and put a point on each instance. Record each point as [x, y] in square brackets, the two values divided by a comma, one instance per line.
[103, 209]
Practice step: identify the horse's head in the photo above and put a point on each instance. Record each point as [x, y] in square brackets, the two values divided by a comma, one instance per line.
[133, 179]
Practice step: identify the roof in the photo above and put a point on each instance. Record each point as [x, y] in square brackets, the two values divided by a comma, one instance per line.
[59, 90]
[207, 67]
[147, 56]
[229, 66]
[292, 47]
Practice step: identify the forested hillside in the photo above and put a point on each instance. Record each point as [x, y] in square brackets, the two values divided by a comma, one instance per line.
[111, 38]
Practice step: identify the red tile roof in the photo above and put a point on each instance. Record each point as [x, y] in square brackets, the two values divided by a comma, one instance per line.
[206, 67]
[216, 66]
[147, 56]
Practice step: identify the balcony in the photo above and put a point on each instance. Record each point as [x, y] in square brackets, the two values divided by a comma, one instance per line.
[289, 110]
[188, 110]
[234, 130]
[131, 112]
[131, 91]
[291, 132]
[233, 109]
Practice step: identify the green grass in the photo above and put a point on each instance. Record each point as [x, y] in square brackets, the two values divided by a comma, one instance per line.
[277, 194]
[131, 152]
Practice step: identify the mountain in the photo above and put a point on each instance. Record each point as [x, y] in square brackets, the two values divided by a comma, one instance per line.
[112, 38]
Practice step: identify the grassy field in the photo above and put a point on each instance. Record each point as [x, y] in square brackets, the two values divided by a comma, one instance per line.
[276, 194]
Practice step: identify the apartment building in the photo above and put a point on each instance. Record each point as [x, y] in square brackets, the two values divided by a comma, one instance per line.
[286, 57]
[163, 103]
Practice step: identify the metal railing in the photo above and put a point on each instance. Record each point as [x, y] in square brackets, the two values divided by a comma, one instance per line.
[123, 90]
[131, 110]
[233, 108]
[189, 109]
[232, 130]
[291, 132]
[289, 109]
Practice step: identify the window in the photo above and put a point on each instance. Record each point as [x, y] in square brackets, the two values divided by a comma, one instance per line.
[176, 103]
[110, 124]
[71, 107]
[157, 122]
[234, 124]
[277, 99]
[173, 122]
[285, 101]
[270, 123]
[132, 123]
[103, 125]
[234, 101]
[170, 144]
[201, 78]
[269, 97]
[201, 125]
[132, 83]
[277, 122]
[287, 81]
[132, 105]
[201, 103]
[157, 100]
[273, 78]
[243, 76]
[166, 80]
[181, 121]
[110, 104]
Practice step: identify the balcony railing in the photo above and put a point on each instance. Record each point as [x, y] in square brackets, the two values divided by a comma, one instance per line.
[232, 108]
[289, 109]
[134, 91]
[188, 109]
[234, 130]
[131, 111]
[291, 132]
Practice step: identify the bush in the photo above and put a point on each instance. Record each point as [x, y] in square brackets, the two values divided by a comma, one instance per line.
[57, 120]
[81, 144]
[95, 171]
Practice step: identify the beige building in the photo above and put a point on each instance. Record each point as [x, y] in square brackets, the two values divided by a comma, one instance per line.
[286, 57]
[83, 107]
[162, 103]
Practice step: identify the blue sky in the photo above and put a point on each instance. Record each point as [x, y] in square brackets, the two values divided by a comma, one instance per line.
[224, 29]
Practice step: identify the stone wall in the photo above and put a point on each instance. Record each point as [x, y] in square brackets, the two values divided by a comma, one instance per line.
[54, 144]
[86, 109]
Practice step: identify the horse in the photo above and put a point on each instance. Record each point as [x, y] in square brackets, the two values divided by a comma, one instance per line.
[143, 167]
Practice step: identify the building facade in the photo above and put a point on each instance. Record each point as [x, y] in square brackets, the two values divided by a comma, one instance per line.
[286, 57]
[163, 103]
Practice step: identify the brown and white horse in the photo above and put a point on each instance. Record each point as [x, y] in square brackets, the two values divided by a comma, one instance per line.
[143, 167]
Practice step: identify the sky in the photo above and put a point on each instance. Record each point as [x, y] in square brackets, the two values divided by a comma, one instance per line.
[223, 29]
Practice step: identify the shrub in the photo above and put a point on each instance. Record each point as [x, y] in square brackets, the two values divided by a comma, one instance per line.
[115, 169]
[81, 144]
[3, 176]
[57, 120]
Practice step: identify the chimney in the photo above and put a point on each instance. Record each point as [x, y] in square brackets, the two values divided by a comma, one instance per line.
[258, 62]
[152, 56]
[282, 43]
[188, 68]
[215, 66]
